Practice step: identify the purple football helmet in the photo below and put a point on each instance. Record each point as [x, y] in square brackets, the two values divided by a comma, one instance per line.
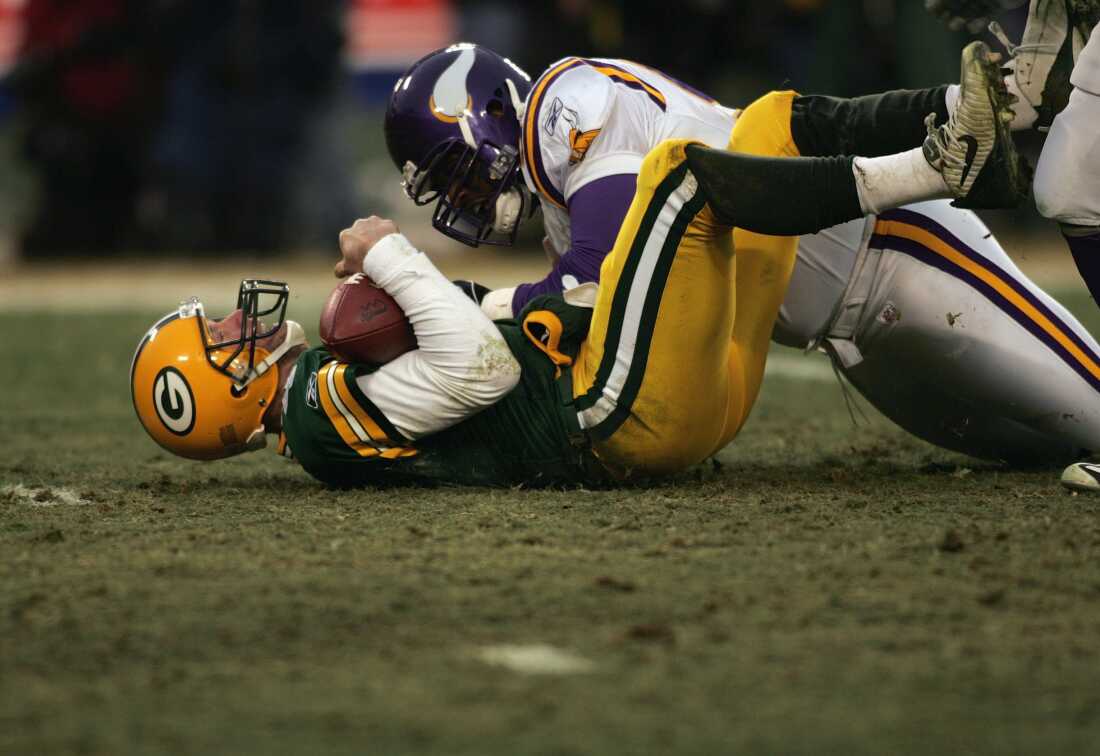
[452, 127]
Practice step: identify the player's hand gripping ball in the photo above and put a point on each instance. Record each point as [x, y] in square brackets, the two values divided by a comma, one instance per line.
[362, 323]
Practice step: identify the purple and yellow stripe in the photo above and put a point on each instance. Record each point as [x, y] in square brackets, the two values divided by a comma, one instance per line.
[921, 237]
[532, 154]
[620, 75]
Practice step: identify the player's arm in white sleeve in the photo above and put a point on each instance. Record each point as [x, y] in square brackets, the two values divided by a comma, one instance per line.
[462, 364]
[571, 149]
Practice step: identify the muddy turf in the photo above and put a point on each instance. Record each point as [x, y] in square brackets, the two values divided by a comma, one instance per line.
[818, 588]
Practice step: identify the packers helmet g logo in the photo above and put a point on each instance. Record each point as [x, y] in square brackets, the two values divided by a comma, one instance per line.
[174, 401]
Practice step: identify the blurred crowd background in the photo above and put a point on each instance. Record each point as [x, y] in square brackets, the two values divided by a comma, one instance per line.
[224, 126]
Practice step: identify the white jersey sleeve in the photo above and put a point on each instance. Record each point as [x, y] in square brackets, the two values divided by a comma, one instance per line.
[588, 118]
[462, 363]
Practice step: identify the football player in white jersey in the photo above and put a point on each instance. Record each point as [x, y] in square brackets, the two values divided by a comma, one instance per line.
[920, 309]
[1056, 71]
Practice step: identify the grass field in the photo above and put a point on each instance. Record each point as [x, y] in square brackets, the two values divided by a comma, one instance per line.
[820, 588]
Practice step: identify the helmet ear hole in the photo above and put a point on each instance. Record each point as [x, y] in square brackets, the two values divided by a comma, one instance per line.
[495, 108]
[237, 393]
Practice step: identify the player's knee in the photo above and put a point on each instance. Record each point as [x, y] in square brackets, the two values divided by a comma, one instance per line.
[1067, 179]
[764, 127]
[1051, 198]
[1059, 195]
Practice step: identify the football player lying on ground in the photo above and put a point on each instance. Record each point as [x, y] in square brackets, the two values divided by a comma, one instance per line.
[1067, 189]
[1057, 71]
[661, 375]
[893, 298]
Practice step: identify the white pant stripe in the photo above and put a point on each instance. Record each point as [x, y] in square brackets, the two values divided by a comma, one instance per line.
[356, 427]
[632, 316]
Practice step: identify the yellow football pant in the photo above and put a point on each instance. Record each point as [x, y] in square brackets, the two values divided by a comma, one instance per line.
[680, 331]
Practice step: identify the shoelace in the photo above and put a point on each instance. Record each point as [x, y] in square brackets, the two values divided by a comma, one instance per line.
[1015, 50]
[849, 398]
[998, 31]
[947, 144]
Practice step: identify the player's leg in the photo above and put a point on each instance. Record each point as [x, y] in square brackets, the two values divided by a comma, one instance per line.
[651, 384]
[1067, 180]
[668, 298]
[764, 263]
[951, 341]
[871, 125]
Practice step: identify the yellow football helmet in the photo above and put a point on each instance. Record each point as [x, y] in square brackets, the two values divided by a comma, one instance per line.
[205, 399]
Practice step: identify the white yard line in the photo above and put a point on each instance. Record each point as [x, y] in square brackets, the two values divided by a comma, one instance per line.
[534, 659]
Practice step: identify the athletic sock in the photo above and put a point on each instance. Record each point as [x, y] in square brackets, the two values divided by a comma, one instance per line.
[776, 196]
[891, 181]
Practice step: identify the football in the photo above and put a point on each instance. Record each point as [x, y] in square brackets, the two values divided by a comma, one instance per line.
[362, 323]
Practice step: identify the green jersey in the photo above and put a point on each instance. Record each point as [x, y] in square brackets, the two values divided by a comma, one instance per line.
[530, 437]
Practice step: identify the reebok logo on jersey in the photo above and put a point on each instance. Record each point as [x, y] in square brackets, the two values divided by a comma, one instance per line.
[552, 115]
[971, 151]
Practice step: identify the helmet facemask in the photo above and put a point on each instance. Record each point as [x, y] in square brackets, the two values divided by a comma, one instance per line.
[256, 299]
[479, 196]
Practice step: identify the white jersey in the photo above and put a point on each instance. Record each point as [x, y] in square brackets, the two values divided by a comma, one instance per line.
[589, 118]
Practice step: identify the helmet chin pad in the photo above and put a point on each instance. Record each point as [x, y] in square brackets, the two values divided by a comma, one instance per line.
[295, 336]
[256, 440]
[509, 209]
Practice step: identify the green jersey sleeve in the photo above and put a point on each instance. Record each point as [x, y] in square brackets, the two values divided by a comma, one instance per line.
[328, 422]
[527, 438]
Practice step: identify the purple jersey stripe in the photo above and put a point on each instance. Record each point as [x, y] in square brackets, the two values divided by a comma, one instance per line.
[924, 222]
[936, 260]
[620, 75]
[530, 145]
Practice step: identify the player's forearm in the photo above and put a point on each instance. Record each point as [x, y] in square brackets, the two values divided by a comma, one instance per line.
[576, 267]
[462, 363]
[596, 213]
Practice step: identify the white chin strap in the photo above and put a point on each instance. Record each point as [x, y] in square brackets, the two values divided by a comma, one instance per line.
[295, 336]
[256, 440]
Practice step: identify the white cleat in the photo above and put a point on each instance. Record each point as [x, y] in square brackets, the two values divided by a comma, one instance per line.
[1082, 476]
[1056, 32]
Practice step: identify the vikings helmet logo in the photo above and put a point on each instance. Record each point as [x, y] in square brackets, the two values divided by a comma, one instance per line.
[449, 98]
